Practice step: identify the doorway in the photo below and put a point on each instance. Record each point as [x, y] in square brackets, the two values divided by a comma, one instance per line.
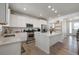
[73, 27]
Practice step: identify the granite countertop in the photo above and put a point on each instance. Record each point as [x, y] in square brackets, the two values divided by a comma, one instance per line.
[19, 37]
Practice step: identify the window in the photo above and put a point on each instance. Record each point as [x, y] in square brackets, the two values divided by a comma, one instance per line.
[76, 25]
[70, 27]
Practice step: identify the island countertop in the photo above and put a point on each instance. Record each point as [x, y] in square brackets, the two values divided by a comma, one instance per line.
[45, 40]
[19, 37]
[48, 33]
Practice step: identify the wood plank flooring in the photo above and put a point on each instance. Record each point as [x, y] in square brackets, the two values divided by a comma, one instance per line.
[31, 49]
[68, 47]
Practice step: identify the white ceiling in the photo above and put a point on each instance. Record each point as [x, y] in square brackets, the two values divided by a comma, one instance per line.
[36, 8]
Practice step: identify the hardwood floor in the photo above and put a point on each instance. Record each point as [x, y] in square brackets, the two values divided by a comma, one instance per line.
[31, 49]
[68, 47]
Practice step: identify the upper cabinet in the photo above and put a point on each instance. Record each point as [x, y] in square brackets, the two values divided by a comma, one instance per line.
[3, 13]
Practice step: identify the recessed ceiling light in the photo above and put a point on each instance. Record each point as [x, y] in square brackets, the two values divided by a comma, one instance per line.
[49, 6]
[40, 14]
[24, 8]
[53, 9]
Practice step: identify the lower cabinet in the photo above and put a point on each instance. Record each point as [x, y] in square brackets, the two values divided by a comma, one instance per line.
[11, 49]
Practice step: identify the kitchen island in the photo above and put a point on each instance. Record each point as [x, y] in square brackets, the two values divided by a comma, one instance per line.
[45, 40]
[12, 45]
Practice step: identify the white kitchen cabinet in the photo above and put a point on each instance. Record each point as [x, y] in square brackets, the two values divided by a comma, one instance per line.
[18, 20]
[11, 49]
[45, 40]
[42, 41]
[3, 12]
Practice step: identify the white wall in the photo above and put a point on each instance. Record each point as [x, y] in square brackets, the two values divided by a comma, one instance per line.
[64, 27]
[17, 20]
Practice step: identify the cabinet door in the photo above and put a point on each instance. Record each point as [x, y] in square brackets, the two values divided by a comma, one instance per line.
[2, 12]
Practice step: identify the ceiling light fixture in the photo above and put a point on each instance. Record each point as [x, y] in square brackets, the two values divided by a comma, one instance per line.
[40, 14]
[24, 8]
[53, 9]
[49, 6]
